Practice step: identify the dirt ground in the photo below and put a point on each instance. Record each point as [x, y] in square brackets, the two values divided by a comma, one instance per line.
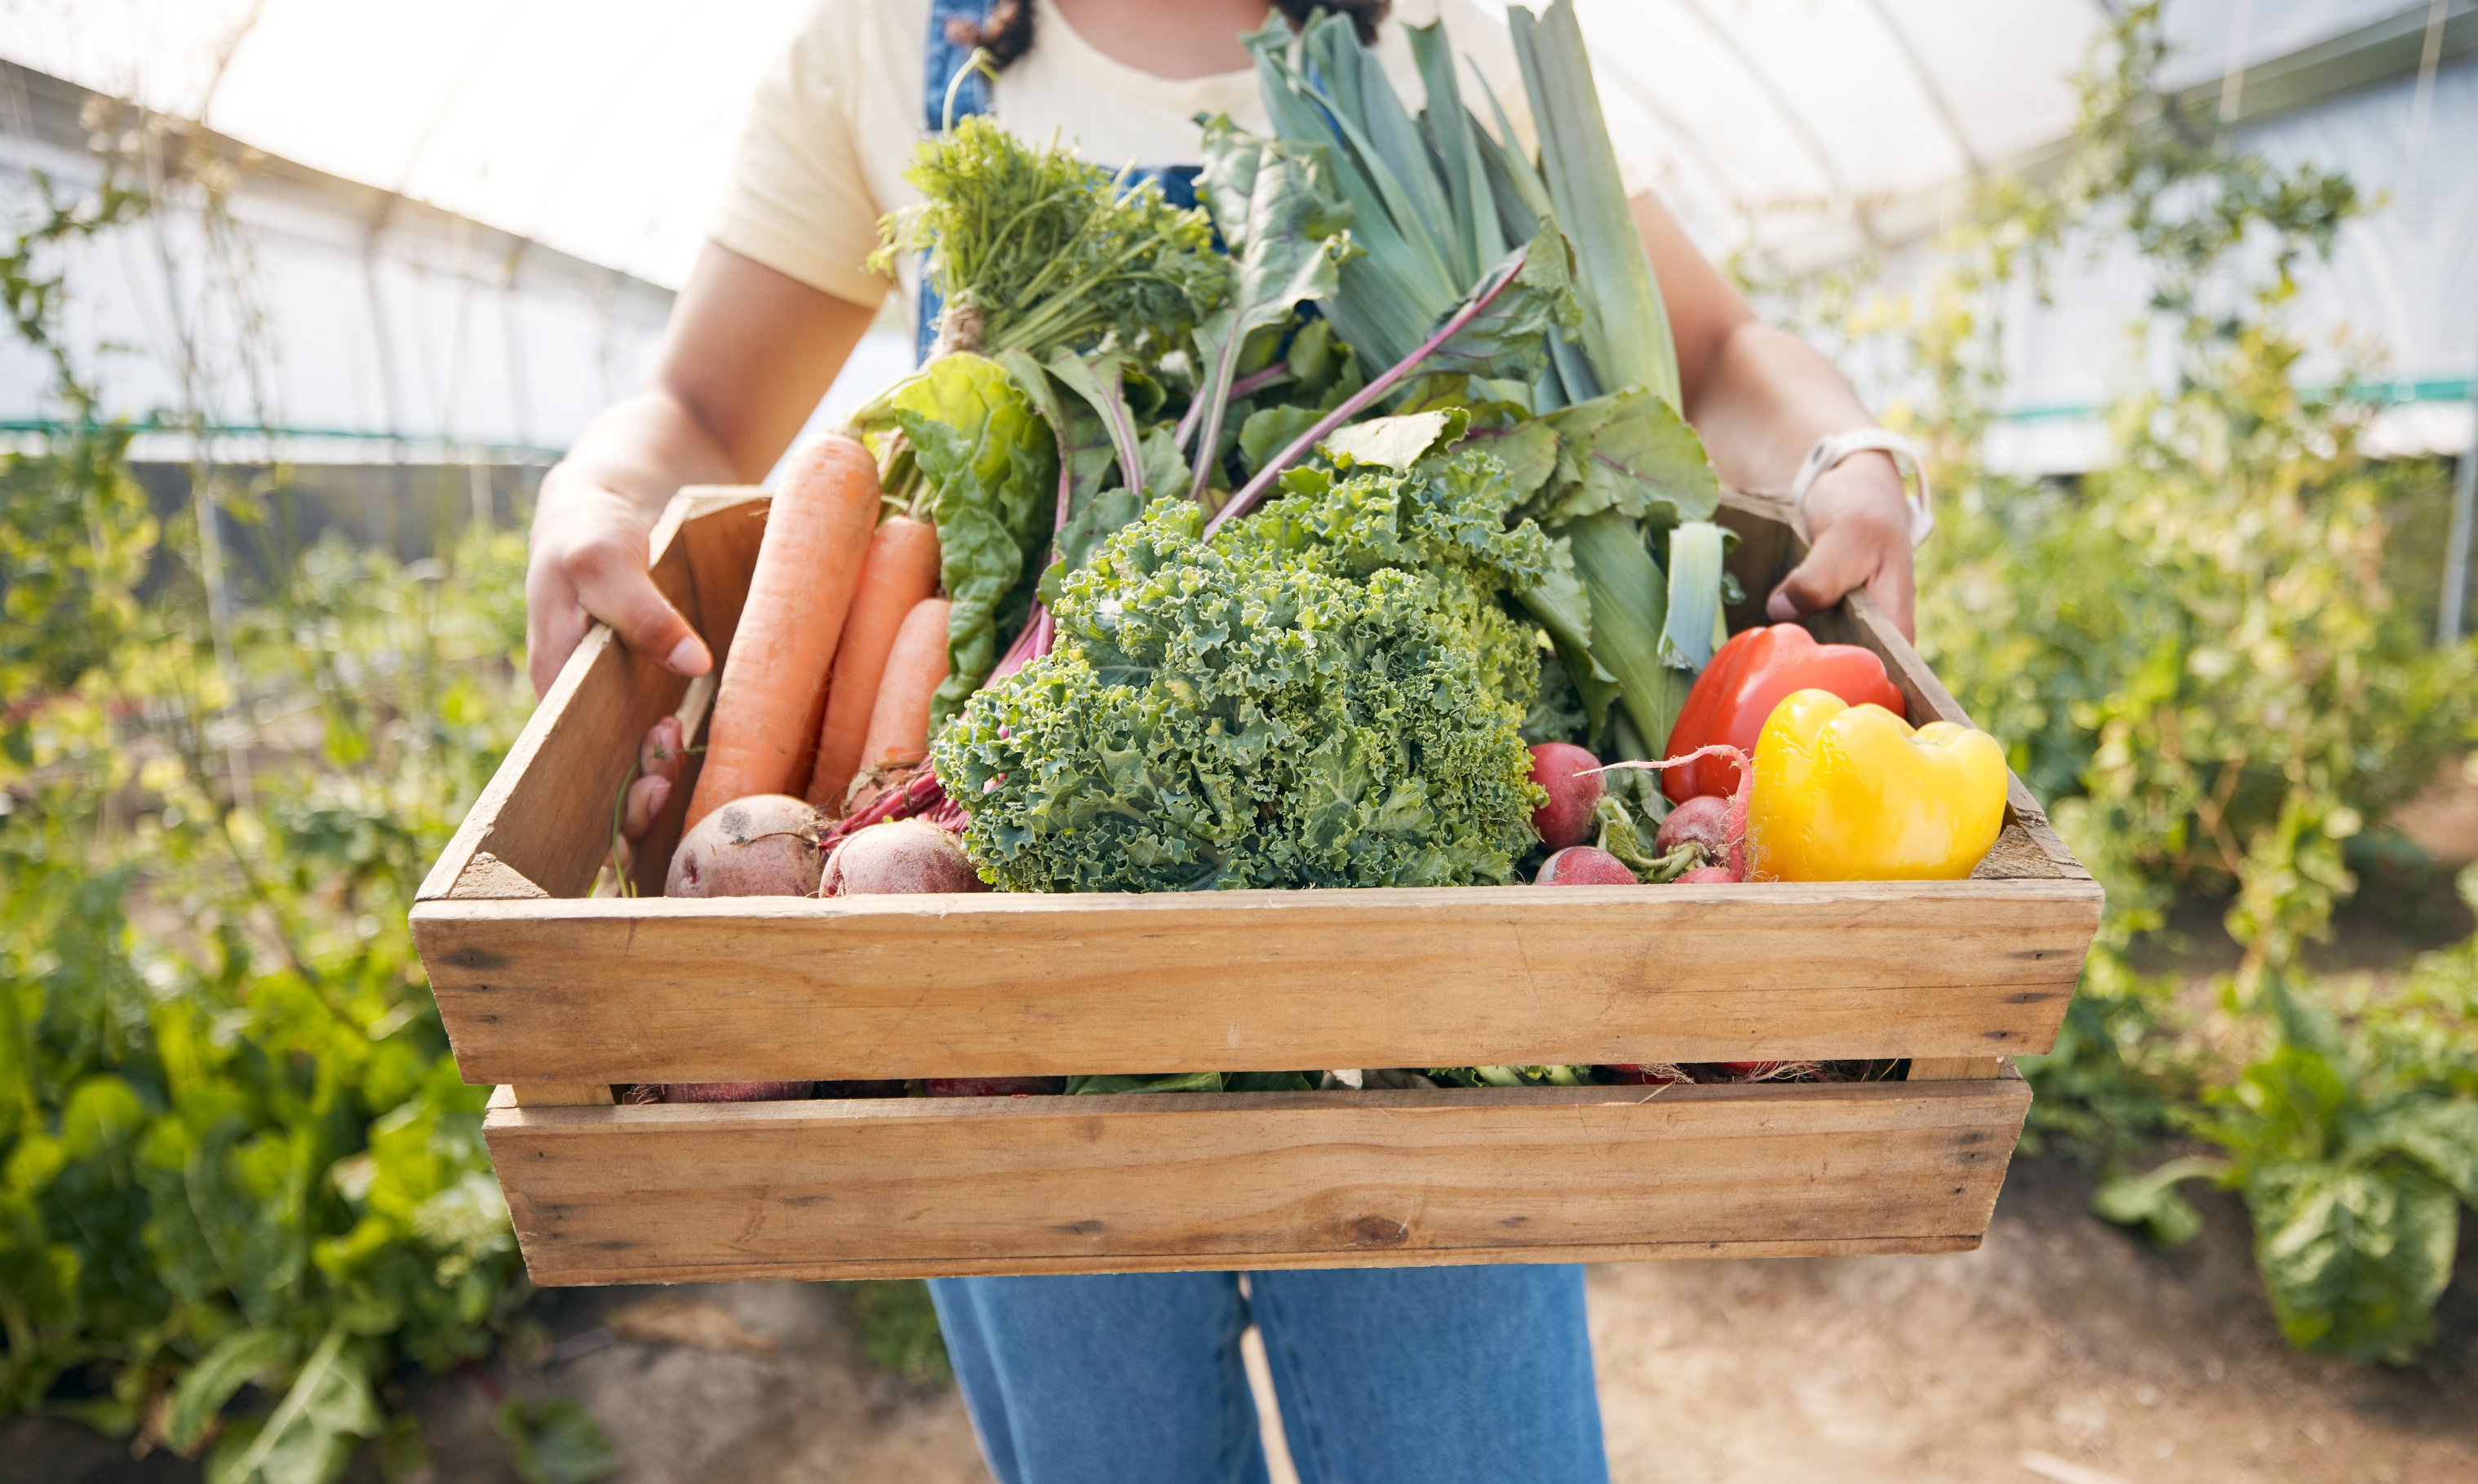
[2062, 1350]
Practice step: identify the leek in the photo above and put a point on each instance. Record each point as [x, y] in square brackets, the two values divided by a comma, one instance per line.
[1629, 600]
[1695, 551]
[1626, 328]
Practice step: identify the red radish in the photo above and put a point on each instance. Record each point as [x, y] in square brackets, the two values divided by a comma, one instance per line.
[900, 855]
[1734, 821]
[1704, 875]
[763, 845]
[1703, 821]
[992, 1086]
[1571, 776]
[732, 1092]
[1584, 866]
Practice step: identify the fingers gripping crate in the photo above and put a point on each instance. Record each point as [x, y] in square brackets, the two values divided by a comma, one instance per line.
[559, 997]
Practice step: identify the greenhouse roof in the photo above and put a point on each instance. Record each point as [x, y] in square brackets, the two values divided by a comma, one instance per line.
[1797, 130]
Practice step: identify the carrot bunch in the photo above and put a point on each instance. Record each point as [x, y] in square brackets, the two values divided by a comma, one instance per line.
[841, 644]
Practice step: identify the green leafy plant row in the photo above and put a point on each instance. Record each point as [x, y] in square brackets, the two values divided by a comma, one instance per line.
[2197, 655]
[244, 1195]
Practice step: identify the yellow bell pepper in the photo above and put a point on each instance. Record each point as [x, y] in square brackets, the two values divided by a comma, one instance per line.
[1851, 793]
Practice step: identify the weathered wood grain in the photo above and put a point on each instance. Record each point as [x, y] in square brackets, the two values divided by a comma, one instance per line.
[722, 527]
[827, 1190]
[1768, 545]
[1958, 1069]
[560, 1095]
[660, 991]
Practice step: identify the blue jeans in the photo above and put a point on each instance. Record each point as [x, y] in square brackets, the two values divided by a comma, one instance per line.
[1475, 1374]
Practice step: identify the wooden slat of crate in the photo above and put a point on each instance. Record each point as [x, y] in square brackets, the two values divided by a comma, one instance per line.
[545, 818]
[1232, 981]
[895, 1188]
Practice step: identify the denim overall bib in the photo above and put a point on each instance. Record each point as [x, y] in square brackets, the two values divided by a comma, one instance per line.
[1381, 1375]
[945, 59]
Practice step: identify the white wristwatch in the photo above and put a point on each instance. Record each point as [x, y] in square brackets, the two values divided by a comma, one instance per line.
[1833, 447]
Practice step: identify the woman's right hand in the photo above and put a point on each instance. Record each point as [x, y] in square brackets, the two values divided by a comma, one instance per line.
[590, 551]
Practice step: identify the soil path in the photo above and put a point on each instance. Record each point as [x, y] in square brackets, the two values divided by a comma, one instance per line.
[2064, 1351]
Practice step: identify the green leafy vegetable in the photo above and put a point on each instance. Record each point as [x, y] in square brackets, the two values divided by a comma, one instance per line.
[1049, 253]
[1396, 442]
[1326, 695]
[1626, 327]
[1100, 379]
[1629, 452]
[1693, 626]
[2354, 1155]
[1287, 245]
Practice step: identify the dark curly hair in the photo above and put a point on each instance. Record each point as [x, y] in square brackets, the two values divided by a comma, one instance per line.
[1005, 33]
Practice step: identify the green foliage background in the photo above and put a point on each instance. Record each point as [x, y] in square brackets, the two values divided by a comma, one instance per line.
[236, 1159]
[2199, 656]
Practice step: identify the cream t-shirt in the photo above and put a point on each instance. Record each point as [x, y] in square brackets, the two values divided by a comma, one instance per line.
[837, 118]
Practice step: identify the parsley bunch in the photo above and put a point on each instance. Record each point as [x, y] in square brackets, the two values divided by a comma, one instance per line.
[1047, 252]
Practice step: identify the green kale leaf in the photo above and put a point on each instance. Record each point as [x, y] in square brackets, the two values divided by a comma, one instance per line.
[1326, 695]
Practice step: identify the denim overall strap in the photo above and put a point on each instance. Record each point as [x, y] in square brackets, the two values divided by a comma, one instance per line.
[942, 58]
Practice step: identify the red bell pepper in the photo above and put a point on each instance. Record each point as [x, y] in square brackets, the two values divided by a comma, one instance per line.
[1749, 676]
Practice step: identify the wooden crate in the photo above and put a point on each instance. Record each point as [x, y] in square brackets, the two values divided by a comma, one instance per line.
[558, 997]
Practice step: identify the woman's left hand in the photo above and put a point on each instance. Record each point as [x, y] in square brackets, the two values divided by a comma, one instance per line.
[1858, 535]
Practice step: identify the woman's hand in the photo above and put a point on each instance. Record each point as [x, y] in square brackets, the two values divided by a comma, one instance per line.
[1858, 537]
[590, 550]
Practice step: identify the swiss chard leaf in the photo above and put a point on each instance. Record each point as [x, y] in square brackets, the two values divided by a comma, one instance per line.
[1101, 380]
[1083, 440]
[1269, 429]
[1396, 442]
[1506, 341]
[2152, 1201]
[1631, 453]
[2439, 1132]
[1284, 229]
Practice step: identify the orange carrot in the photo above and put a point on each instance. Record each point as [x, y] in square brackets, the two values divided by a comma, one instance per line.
[900, 569]
[899, 727]
[773, 688]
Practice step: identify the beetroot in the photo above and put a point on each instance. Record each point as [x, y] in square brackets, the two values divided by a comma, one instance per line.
[762, 846]
[1571, 776]
[1704, 874]
[900, 855]
[992, 1087]
[1584, 866]
[732, 1092]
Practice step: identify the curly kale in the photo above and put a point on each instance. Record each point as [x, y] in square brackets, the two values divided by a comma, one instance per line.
[1328, 694]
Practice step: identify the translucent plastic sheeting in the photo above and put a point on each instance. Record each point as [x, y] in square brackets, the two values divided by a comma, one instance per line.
[602, 127]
